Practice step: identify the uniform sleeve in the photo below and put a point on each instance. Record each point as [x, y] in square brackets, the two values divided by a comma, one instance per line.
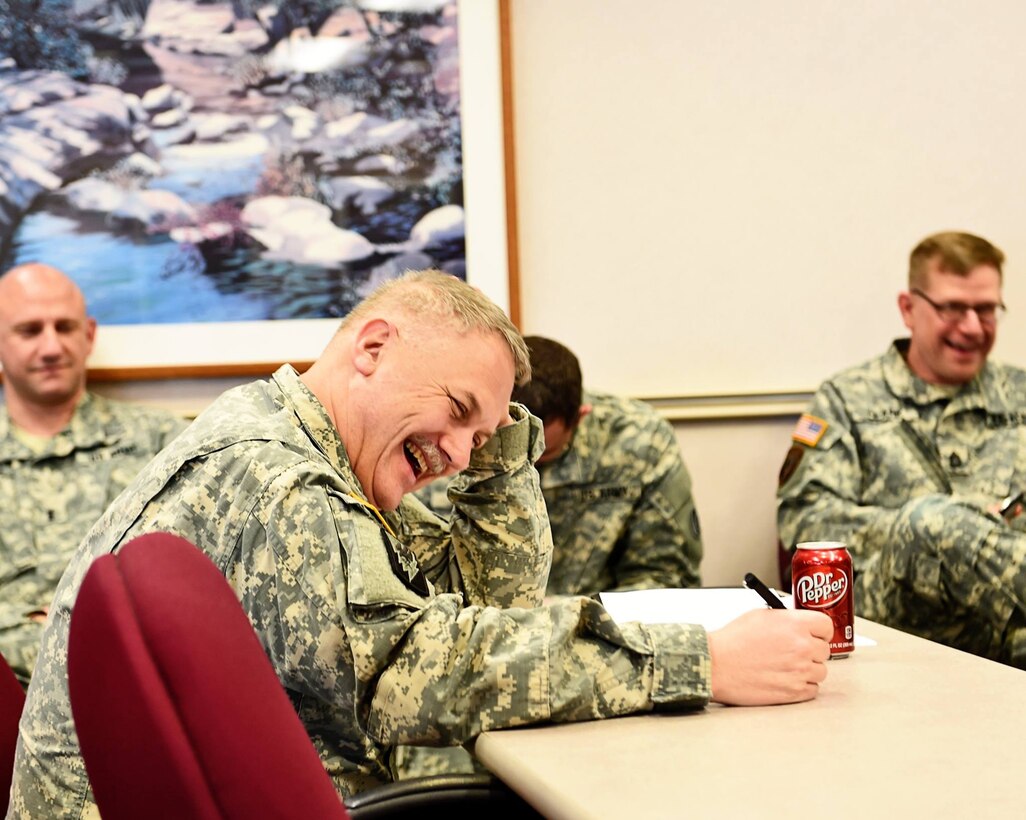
[459, 672]
[344, 624]
[494, 547]
[501, 541]
[662, 544]
[820, 491]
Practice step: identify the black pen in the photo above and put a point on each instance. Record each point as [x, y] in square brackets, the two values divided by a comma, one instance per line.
[764, 591]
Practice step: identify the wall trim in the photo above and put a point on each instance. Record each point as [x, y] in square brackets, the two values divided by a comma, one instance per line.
[730, 406]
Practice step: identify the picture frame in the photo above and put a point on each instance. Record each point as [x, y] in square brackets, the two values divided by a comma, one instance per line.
[224, 349]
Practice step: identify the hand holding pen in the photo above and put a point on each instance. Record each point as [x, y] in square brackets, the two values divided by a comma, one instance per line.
[754, 584]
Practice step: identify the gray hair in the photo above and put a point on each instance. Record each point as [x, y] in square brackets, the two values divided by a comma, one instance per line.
[434, 293]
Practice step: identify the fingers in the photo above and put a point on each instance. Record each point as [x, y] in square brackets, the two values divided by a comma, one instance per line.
[770, 656]
[820, 624]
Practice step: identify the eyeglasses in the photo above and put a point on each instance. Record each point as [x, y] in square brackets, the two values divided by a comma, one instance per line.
[953, 312]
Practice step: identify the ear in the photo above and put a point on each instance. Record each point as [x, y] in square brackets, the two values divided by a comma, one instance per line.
[369, 345]
[905, 306]
[585, 409]
[90, 334]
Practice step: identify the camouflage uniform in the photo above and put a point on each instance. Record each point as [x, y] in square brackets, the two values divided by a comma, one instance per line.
[622, 516]
[50, 498]
[619, 503]
[378, 639]
[904, 472]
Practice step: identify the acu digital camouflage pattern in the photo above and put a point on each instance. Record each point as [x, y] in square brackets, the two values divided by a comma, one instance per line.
[904, 474]
[50, 498]
[369, 653]
[619, 503]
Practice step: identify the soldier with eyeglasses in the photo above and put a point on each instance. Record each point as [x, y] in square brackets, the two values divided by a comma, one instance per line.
[915, 460]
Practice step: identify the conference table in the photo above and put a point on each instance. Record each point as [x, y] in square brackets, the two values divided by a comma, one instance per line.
[902, 728]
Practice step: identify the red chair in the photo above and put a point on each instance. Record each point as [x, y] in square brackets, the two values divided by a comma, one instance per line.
[12, 699]
[178, 711]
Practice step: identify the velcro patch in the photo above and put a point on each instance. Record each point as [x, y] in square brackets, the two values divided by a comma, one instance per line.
[809, 430]
[791, 462]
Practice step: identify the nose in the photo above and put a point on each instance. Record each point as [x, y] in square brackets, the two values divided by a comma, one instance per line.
[971, 324]
[458, 447]
[50, 342]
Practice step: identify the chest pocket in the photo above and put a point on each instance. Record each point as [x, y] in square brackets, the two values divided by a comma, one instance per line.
[381, 572]
[983, 457]
[589, 515]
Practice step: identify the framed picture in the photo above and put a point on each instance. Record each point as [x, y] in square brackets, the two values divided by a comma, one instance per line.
[324, 164]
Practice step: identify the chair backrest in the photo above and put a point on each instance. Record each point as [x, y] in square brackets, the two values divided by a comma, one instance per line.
[178, 711]
[12, 699]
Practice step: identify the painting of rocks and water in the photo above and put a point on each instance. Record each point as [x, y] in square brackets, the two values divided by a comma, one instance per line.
[191, 161]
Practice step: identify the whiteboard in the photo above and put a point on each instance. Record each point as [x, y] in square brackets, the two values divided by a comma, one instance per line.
[720, 198]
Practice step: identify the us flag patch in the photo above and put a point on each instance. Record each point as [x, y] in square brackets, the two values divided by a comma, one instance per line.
[809, 430]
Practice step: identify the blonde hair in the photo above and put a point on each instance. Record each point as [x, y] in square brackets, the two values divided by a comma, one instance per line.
[440, 295]
[955, 252]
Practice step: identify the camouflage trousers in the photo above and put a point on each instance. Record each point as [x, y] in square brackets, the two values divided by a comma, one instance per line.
[421, 761]
[953, 574]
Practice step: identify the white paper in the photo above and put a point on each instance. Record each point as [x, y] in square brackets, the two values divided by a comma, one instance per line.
[711, 607]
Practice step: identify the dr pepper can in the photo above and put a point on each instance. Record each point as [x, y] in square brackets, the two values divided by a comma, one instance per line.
[821, 579]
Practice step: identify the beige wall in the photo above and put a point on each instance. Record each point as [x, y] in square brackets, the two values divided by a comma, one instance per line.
[734, 466]
[720, 198]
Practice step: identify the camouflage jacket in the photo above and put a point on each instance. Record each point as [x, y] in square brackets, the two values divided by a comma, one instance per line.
[50, 499]
[379, 639]
[619, 503]
[905, 472]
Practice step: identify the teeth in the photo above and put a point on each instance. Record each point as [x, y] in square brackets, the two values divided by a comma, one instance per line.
[426, 455]
[417, 457]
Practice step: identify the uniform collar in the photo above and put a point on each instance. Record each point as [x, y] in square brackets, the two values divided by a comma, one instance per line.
[985, 390]
[89, 427]
[321, 430]
[315, 421]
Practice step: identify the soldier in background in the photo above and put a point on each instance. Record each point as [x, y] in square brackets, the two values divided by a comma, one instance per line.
[615, 485]
[385, 623]
[65, 453]
[616, 488]
[907, 458]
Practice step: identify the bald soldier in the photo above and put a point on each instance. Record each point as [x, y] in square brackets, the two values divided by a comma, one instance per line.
[65, 453]
[385, 624]
[908, 458]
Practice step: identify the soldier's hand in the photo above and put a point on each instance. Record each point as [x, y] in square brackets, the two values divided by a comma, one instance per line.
[770, 656]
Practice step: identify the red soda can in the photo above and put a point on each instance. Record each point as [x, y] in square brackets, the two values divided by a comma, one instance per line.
[821, 578]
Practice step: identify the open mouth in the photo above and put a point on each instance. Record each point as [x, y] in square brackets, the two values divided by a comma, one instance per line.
[963, 349]
[423, 457]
